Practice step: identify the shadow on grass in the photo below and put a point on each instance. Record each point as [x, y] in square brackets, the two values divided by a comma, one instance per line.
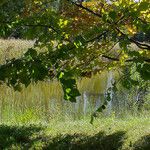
[17, 136]
[28, 137]
[99, 141]
[33, 137]
[143, 143]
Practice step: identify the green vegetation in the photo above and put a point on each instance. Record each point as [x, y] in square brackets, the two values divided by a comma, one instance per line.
[95, 53]
[105, 134]
[79, 38]
[28, 121]
[43, 99]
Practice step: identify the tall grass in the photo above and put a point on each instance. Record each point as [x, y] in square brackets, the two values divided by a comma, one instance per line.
[44, 101]
[39, 118]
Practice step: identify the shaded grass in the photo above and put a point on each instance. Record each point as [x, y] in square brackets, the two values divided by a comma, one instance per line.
[104, 134]
[20, 137]
[17, 136]
[81, 141]
[143, 143]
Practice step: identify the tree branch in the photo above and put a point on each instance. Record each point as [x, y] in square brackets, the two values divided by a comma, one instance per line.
[98, 37]
[128, 60]
[140, 45]
[85, 8]
[33, 25]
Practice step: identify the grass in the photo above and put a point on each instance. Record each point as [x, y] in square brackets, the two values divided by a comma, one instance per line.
[41, 99]
[36, 118]
[105, 134]
[13, 48]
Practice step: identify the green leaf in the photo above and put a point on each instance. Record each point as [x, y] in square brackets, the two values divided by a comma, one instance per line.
[31, 52]
[134, 53]
[108, 96]
[68, 90]
[126, 83]
[17, 88]
[143, 6]
[103, 106]
[61, 75]
[112, 15]
[95, 114]
[144, 70]
[124, 42]
[69, 86]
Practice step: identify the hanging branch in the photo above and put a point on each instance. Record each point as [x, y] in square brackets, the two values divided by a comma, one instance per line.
[140, 45]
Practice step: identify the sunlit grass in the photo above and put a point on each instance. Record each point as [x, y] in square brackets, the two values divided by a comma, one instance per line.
[106, 133]
[13, 48]
[44, 98]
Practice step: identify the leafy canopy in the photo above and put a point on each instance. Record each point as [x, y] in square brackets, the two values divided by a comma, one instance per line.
[80, 38]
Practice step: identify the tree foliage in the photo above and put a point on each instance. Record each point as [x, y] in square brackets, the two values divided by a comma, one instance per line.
[80, 38]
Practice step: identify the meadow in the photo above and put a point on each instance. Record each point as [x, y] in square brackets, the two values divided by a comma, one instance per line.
[39, 118]
[105, 134]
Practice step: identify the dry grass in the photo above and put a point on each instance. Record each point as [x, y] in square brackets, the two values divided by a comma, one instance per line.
[43, 98]
[13, 48]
